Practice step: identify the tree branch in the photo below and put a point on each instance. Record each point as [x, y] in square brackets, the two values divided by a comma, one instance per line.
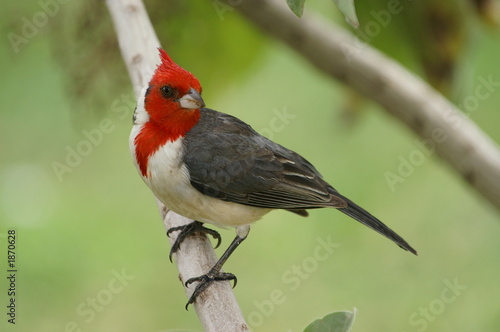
[216, 307]
[339, 54]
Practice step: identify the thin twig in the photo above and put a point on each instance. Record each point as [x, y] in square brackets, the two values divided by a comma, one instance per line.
[216, 307]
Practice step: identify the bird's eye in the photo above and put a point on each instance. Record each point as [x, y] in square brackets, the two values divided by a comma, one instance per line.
[167, 91]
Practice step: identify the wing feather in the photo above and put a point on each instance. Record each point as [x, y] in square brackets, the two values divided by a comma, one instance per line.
[238, 165]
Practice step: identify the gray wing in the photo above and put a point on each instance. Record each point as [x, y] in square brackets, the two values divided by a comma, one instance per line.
[236, 164]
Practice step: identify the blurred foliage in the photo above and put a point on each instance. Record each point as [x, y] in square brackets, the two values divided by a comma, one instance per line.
[433, 38]
[85, 46]
[489, 11]
[436, 34]
[84, 43]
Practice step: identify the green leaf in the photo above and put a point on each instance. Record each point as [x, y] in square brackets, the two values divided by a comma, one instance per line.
[346, 7]
[297, 6]
[340, 321]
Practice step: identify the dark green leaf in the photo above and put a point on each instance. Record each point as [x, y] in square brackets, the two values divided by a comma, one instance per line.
[346, 7]
[297, 6]
[340, 321]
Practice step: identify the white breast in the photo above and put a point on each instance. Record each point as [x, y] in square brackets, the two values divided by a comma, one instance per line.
[168, 178]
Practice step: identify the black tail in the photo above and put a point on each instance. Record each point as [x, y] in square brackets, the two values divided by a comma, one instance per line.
[358, 213]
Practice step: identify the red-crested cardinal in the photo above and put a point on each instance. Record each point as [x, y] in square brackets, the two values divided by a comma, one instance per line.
[214, 168]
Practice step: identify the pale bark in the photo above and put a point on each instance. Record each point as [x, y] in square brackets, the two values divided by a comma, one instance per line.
[216, 307]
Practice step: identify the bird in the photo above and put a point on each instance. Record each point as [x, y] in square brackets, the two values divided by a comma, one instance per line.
[212, 167]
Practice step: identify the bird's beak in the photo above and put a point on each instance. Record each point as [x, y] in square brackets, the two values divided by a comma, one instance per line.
[192, 100]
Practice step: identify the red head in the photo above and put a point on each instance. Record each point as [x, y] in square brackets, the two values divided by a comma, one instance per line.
[172, 103]
[173, 98]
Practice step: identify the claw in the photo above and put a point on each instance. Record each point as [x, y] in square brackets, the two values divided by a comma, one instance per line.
[214, 274]
[205, 280]
[191, 228]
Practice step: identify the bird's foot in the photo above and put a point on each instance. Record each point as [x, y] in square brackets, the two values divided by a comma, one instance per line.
[190, 229]
[205, 281]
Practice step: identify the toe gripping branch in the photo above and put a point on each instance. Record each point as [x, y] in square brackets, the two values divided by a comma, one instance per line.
[192, 228]
[215, 273]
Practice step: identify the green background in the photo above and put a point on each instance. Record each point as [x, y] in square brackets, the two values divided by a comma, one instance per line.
[76, 232]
